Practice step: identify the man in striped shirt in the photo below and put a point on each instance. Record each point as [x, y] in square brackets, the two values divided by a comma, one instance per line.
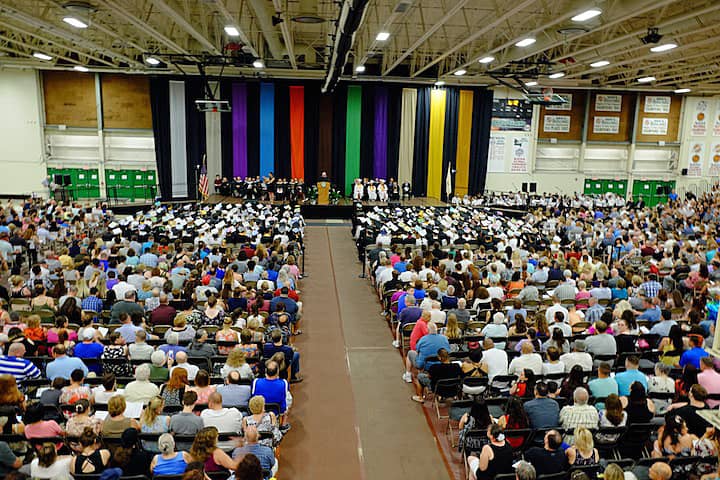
[13, 364]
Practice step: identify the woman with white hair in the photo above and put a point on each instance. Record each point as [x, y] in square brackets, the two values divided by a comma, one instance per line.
[496, 329]
[168, 461]
[141, 389]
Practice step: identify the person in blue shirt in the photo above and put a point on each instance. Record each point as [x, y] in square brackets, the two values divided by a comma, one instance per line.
[272, 388]
[652, 312]
[696, 352]
[63, 365]
[401, 266]
[630, 376]
[429, 345]
[89, 349]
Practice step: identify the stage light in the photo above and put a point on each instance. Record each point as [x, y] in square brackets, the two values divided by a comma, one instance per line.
[600, 63]
[556, 75]
[664, 47]
[42, 56]
[487, 59]
[232, 31]
[683, 90]
[77, 23]
[646, 79]
[460, 73]
[80, 68]
[440, 83]
[382, 36]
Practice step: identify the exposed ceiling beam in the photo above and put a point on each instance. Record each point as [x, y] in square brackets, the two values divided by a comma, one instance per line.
[287, 38]
[671, 61]
[115, 9]
[59, 45]
[244, 38]
[15, 41]
[427, 34]
[62, 33]
[185, 25]
[264, 19]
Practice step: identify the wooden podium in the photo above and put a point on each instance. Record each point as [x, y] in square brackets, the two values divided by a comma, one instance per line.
[323, 189]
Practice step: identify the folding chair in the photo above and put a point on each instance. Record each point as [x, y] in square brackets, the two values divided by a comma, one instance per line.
[456, 409]
[607, 440]
[405, 332]
[501, 384]
[636, 440]
[447, 388]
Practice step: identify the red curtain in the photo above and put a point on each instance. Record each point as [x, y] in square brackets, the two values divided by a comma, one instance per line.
[297, 131]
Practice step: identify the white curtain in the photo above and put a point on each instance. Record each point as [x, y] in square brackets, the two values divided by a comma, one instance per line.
[178, 147]
[407, 135]
[213, 138]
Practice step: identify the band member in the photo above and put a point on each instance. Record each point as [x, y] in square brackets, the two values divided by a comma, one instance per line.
[358, 190]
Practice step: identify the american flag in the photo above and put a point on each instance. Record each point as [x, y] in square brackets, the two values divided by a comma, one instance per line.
[203, 187]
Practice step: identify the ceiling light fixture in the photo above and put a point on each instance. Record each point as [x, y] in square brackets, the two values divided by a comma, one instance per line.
[232, 31]
[586, 15]
[80, 68]
[556, 75]
[487, 59]
[440, 83]
[683, 90]
[646, 79]
[258, 63]
[460, 72]
[382, 36]
[600, 63]
[75, 22]
[664, 47]
[531, 83]
[42, 56]
[525, 42]
[152, 61]
[360, 68]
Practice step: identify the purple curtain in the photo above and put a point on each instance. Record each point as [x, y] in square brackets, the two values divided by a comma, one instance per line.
[381, 123]
[239, 130]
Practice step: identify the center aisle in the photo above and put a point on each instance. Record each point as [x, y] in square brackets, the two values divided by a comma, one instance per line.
[352, 380]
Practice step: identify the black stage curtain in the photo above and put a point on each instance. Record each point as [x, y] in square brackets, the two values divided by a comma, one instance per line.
[339, 101]
[422, 130]
[367, 132]
[480, 140]
[253, 128]
[226, 141]
[394, 119]
[160, 105]
[312, 114]
[452, 99]
[196, 140]
[325, 134]
[282, 130]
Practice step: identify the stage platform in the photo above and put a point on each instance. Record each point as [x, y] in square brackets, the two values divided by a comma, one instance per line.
[342, 210]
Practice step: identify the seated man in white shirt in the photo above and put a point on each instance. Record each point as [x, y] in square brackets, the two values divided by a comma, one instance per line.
[181, 362]
[226, 420]
[527, 359]
[577, 357]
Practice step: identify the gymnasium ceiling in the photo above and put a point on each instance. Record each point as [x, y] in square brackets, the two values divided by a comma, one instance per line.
[429, 40]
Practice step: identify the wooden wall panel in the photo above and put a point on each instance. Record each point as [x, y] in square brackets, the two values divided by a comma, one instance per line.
[126, 101]
[673, 119]
[626, 115]
[69, 99]
[577, 118]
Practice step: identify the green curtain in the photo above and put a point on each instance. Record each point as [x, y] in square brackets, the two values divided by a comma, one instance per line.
[352, 136]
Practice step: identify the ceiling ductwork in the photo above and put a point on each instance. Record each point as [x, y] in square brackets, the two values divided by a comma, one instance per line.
[351, 18]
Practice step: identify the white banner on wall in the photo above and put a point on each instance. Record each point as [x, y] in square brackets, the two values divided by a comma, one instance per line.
[654, 126]
[606, 125]
[567, 106]
[654, 104]
[557, 123]
[696, 158]
[521, 149]
[496, 154]
[608, 103]
[699, 122]
[714, 160]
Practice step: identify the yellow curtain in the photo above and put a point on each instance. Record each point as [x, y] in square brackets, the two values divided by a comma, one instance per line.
[462, 158]
[435, 143]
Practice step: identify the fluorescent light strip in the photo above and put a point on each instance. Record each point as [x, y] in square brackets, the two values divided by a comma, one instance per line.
[152, 61]
[232, 31]
[663, 48]
[460, 72]
[258, 63]
[683, 90]
[440, 83]
[600, 63]
[80, 68]
[586, 15]
[556, 75]
[525, 42]
[360, 68]
[75, 22]
[382, 36]
[42, 56]
[646, 79]
[531, 83]
[487, 59]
